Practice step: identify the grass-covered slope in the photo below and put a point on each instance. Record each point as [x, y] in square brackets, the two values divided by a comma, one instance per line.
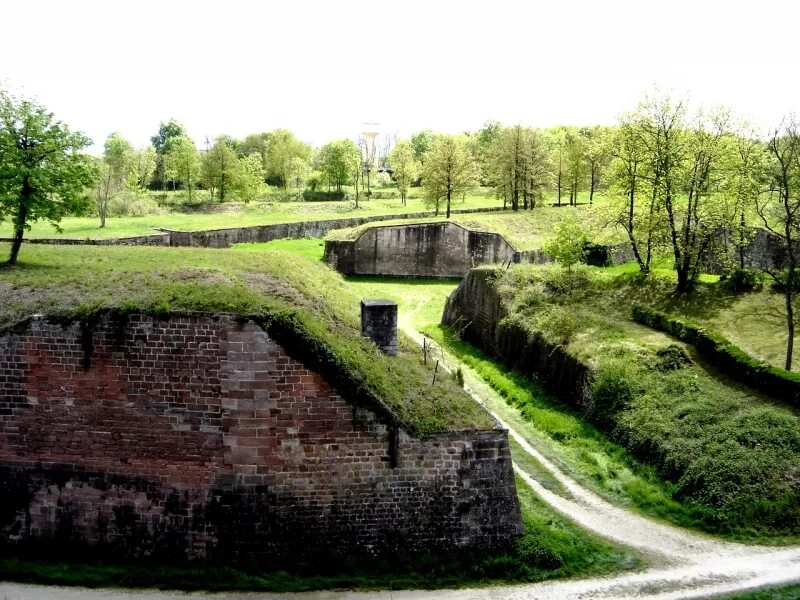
[726, 447]
[303, 302]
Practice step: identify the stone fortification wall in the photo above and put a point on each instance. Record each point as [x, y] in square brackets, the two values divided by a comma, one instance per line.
[442, 250]
[156, 239]
[222, 238]
[199, 437]
[475, 310]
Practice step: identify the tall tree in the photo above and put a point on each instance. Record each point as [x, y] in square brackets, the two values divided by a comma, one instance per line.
[629, 180]
[421, 142]
[449, 170]
[221, 168]
[281, 149]
[779, 209]
[405, 168]
[596, 154]
[168, 133]
[182, 161]
[251, 180]
[338, 160]
[43, 174]
[574, 151]
[144, 166]
[519, 166]
[114, 173]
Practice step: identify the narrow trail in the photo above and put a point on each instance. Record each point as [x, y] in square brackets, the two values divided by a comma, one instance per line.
[685, 565]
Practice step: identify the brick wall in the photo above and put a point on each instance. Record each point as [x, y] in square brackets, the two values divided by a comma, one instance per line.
[199, 437]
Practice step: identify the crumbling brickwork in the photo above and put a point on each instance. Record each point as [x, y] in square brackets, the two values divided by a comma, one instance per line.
[199, 437]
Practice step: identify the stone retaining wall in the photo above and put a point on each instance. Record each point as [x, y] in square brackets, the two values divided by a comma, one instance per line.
[440, 250]
[199, 437]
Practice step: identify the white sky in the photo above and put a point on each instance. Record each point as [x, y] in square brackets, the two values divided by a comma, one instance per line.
[320, 68]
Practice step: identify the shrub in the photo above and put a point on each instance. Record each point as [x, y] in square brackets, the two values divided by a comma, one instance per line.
[671, 358]
[742, 280]
[321, 196]
[557, 324]
[132, 205]
[613, 389]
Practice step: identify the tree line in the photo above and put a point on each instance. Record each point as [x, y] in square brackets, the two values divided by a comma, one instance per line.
[673, 179]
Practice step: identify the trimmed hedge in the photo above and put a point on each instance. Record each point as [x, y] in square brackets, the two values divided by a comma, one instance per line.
[726, 356]
[320, 196]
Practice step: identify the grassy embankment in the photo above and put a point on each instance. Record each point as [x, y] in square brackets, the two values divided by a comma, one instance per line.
[69, 280]
[240, 215]
[730, 452]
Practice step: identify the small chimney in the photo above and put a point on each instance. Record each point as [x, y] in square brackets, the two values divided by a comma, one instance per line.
[379, 323]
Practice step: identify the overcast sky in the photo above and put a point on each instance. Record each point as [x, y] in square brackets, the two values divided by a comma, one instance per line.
[322, 68]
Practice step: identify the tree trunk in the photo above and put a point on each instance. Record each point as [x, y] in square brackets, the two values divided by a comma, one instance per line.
[790, 275]
[19, 225]
[448, 202]
[741, 240]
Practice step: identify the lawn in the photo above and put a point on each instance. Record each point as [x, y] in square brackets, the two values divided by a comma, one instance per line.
[240, 215]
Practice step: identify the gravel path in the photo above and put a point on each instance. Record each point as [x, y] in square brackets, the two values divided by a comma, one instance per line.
[688, 565]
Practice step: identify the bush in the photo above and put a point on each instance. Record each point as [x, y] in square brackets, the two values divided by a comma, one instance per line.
[743, 280]
[726, 356]
[597, 255]
[557, 324]
[133, 205]
[613, 389]
[321, 196]
[671, 358]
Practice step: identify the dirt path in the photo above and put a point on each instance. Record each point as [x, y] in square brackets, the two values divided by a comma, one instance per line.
[687, 565]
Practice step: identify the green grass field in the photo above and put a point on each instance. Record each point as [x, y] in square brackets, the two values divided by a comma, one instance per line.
[254, 214]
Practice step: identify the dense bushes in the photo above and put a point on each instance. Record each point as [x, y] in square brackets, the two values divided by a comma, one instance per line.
[725, 355]
[322, 196]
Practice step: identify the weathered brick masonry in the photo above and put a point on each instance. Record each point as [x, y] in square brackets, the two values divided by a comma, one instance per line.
[200, 437]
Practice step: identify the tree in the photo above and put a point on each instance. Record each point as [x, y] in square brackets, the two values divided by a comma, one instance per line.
[298, 173]
[449, 170]
[629, 179]
[567, 245]
[596, 156]
[221, 168]
[182, 162]
[339, 160]
[43, 175]
[405, 168]
[421, 142]
[280, 152]
[168, 133]
[144, 166]
[114, 173]
[251, 180]
[557, 142]
[518, 166]
[575, 166]
[485, 140]
[779, 209]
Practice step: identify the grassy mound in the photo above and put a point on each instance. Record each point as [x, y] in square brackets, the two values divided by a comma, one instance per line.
[302, 302]
[726, 447]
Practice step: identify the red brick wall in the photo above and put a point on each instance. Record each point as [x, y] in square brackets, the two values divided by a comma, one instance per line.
[200, 437]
